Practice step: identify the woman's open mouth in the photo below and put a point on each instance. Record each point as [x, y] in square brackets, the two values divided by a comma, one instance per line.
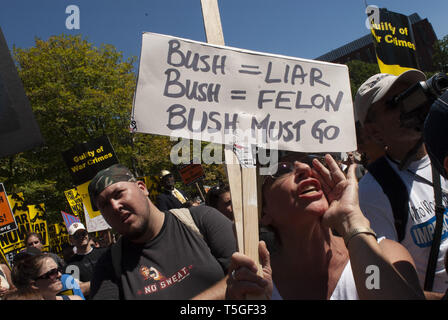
[309, 189]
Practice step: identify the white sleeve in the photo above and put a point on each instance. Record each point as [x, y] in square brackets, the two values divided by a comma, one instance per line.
[376, 207]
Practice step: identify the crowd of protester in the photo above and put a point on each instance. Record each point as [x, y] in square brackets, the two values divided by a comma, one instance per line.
[324, 221]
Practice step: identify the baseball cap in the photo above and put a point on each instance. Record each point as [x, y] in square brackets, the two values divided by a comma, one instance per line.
[106, 177]
[164, 173]
[434, 132]
[76, 226]
[377, 86]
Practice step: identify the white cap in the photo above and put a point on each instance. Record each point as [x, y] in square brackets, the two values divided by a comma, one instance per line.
[377, 86]
[75, 227]
[164, 173]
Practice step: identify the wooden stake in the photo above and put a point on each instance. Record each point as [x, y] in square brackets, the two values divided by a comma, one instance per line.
[240, 179]
[234, 177]
[213, 31]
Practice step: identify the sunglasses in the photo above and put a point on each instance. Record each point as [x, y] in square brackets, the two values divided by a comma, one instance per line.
[286, 167]
[52, 274]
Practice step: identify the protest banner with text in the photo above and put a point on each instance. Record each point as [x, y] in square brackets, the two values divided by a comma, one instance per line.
[7, 221]
[75, 202]
[85, 159]
[152, 183]
[94, 220]
[393, 41]
[38, 222]
[199, 91]
[14, 241]
[58, 236]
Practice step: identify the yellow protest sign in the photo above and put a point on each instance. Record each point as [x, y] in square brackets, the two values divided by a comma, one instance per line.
[7, 222]
[38, 221]
[58, 236]
[152, 184]
[75, 201]
[14, 241]
[84, 194]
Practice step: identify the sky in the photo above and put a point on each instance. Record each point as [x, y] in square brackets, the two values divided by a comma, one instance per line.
[297, 28]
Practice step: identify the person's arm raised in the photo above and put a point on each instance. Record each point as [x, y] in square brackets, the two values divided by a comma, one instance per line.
[382, 270]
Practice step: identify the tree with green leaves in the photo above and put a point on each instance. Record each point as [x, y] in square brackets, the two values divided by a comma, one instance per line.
[359, 72]
[77, 92]
[440, 55]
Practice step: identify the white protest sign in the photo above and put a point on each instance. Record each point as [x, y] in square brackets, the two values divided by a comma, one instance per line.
[95, 224]
[195, 90]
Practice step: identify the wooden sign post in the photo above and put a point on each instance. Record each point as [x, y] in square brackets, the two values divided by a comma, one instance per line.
[242, 181]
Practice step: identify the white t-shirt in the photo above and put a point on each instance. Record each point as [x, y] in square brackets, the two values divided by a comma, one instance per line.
[421, 216]
[345, 288]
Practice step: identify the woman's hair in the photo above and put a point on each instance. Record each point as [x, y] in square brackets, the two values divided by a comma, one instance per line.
[214, 193]
[26, 269]
[32, 234]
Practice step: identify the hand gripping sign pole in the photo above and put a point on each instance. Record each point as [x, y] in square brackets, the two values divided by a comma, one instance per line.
[242, 179]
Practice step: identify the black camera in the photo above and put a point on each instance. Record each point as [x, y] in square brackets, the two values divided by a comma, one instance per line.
[414, 103]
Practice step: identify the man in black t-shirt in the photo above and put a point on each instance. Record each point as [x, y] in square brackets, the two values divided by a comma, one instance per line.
[82, 263]
[160, 256]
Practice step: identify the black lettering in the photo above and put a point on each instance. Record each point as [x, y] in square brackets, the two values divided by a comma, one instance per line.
[173, 82]
[335, 104]
[297, 72]
[230, 124]
[173, 48]
[176, 110]
[288, 136]
[285, 78]
[219, 66]
[315, 103]
[202, 92]
[191, 121]
[315, 76]
[218, 124]
[280, 99]
[272, 131]
[213, 93]
[297, 126]
[263, 125]
[267, 79]
[192, 64]
[206, 67]
[261, 99]
[298, 100]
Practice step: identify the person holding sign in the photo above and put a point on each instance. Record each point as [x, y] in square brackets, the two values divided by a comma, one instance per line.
[304, 206]
[160, 255]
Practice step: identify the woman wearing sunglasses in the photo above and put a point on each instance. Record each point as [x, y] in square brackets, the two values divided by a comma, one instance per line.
[38, 277]
[306, 202]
